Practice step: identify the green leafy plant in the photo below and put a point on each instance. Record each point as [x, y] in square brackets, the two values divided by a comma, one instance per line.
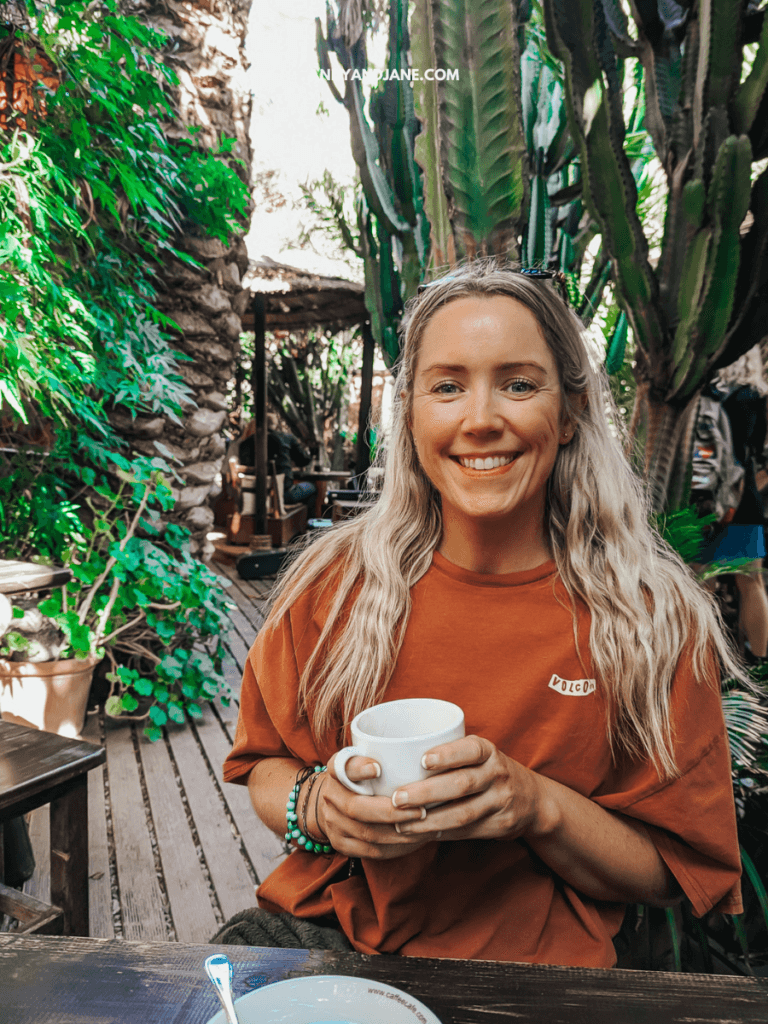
[94, 196]
[140, 600]
[93, 193]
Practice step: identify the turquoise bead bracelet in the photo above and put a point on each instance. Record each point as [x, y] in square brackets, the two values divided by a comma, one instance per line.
[293, 832]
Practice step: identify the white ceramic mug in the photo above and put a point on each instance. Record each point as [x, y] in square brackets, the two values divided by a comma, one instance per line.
[397, 734]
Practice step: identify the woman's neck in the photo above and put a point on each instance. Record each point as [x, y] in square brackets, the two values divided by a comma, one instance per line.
[495, 546]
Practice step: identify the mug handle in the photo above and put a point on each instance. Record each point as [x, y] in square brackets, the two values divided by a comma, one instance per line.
[340, 767]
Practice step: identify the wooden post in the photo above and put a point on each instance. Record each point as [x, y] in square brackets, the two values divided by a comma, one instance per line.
[363, 454]
[259, 388]
[69, 856]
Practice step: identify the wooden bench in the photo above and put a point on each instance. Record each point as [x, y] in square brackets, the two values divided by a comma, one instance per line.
[347, 509]
[38, 768]
[283, 521]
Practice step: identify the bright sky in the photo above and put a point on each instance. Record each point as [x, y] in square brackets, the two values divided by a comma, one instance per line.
[292, 141]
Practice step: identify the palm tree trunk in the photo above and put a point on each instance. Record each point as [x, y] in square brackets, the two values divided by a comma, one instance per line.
[207, 305]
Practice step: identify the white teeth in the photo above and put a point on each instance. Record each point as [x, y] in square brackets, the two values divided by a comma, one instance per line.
[492, 462]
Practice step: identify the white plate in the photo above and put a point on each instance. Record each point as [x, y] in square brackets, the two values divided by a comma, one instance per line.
[329, 999]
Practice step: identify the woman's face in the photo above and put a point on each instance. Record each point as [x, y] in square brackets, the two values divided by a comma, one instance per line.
[487, 409]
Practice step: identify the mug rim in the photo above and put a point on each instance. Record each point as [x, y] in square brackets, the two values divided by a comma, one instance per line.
[458, 718]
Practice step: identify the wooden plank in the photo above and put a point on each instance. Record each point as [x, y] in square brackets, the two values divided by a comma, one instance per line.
[140, 895]
[21, 577]
[39, 885]
[233, 676]
[262, 845]
[254, 601]
[231, 879]
[254, 593]
[246, 628]
[31, 913]
[235, 641]
[192, 912]
[102, 923]
[227, 717]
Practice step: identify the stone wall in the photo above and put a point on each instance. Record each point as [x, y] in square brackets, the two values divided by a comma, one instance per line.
[207, 39]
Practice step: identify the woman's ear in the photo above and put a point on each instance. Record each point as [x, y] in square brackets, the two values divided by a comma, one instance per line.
[578, 402]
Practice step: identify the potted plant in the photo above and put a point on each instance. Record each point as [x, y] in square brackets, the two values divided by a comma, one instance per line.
[137, 598]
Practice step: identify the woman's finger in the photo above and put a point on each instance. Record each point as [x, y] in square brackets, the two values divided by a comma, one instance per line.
[358, 768]
[468, 750]
[365, 809]
[446, 787]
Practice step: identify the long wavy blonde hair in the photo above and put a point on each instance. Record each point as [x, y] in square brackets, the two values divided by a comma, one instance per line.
[645, 604]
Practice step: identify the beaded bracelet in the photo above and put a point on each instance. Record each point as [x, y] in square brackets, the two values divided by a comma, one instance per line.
[292, 817]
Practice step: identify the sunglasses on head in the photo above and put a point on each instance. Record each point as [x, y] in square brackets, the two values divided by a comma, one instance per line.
[533, 273]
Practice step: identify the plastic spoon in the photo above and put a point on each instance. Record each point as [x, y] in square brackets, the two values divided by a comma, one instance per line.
[219, 970]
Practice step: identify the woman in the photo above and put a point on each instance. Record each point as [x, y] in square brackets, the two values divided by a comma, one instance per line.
[508, 566]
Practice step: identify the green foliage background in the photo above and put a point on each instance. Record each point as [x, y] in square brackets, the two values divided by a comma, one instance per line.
[93, 196]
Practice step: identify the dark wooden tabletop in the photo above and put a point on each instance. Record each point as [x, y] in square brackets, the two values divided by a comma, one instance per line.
[23, 577]
[322, 474]
[47, 980]
[33, 762]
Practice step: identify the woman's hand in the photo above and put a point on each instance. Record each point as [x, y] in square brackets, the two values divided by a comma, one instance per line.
[483, 794]
[487, 795]
[364, 826]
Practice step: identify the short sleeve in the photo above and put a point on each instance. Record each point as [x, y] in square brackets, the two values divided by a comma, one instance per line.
[268, 724]
[692, 818]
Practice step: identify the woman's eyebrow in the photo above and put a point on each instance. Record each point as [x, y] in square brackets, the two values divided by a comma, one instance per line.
[458, 368]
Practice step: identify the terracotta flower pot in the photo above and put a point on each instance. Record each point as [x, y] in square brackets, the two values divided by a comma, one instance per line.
[48, 695]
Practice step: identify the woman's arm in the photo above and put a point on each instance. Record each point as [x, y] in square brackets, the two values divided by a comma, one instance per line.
[489, 796]
[269, 786]
[601, 853]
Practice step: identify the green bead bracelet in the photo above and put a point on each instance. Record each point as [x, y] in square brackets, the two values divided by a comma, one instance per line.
[293, 832]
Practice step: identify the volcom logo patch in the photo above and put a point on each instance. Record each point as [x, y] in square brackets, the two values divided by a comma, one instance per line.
[573, 687]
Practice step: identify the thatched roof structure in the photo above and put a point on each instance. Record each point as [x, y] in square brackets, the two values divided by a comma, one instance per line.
[295, 300]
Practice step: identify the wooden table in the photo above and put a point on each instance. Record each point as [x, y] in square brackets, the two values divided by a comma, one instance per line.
[37, 768]
[321, 477]
[47, 980]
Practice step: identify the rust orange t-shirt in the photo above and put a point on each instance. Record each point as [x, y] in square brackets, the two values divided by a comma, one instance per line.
[503, 648]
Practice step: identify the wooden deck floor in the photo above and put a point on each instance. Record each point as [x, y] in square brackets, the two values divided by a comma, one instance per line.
[173, 851]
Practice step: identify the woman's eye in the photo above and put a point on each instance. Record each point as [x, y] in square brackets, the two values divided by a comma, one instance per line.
[521, 386]
[444, 388]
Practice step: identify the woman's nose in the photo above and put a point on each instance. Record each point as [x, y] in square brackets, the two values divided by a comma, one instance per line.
[482, 412]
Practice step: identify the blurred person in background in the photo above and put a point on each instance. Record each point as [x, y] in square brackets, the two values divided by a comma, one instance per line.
[740, 390]
[285, 451]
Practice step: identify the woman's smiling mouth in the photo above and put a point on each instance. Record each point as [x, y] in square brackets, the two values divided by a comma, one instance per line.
[484, 464]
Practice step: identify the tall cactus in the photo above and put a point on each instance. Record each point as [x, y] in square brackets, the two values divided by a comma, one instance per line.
[471, 125]
[393, 226]
[501, 171]
[705, 302]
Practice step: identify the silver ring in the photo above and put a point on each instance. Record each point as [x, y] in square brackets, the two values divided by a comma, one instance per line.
[438, 834]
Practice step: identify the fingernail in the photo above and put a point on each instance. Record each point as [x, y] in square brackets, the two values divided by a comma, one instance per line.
[403, 830]
[372, 771]
[428, 761]
[399, 797]
[423, 812]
